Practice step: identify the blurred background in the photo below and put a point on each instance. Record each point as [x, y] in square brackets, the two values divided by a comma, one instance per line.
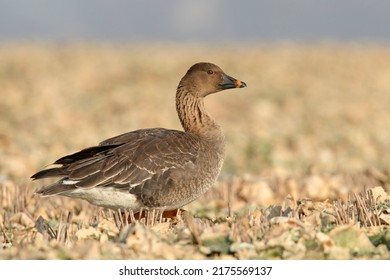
[195, 21]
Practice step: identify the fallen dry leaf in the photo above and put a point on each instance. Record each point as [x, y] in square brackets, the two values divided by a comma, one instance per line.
[22, 219]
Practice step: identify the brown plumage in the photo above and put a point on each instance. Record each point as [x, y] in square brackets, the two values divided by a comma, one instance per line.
[152, 168]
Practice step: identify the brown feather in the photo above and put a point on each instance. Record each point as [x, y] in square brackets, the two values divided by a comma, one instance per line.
[85, 171]
[56, 188]
[84, 154]
[51, 172]
[92, 181]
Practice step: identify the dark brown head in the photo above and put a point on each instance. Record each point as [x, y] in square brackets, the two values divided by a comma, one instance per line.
[205, 78]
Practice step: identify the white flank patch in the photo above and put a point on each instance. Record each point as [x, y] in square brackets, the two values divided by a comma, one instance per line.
[108, 197]
[69, 182]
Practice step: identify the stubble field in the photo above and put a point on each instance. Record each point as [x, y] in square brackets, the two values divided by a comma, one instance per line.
[307, 172]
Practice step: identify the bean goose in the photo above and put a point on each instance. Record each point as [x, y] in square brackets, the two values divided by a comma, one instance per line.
[151, 168]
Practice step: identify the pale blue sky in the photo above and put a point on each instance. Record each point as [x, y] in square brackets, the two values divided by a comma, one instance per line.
[195, 21]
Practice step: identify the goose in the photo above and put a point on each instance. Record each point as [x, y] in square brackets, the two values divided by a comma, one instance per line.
[154, 168]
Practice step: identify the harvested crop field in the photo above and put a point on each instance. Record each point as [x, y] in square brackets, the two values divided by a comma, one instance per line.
[307, 172]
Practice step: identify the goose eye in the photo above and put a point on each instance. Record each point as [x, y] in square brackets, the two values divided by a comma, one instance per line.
[210, 72]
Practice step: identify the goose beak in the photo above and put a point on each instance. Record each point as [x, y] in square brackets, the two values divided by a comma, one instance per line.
[230, 82]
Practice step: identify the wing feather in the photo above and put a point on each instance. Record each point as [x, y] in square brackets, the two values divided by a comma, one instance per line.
[130, 159]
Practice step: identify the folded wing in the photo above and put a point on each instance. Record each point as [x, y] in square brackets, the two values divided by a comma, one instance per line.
[124, 161]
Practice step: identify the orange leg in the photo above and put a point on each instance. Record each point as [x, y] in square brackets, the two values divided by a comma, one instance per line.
[171, 214]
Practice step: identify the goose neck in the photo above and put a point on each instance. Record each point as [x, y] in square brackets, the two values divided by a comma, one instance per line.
[193, 116]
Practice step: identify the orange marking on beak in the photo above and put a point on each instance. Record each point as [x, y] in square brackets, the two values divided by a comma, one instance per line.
[238, 83]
